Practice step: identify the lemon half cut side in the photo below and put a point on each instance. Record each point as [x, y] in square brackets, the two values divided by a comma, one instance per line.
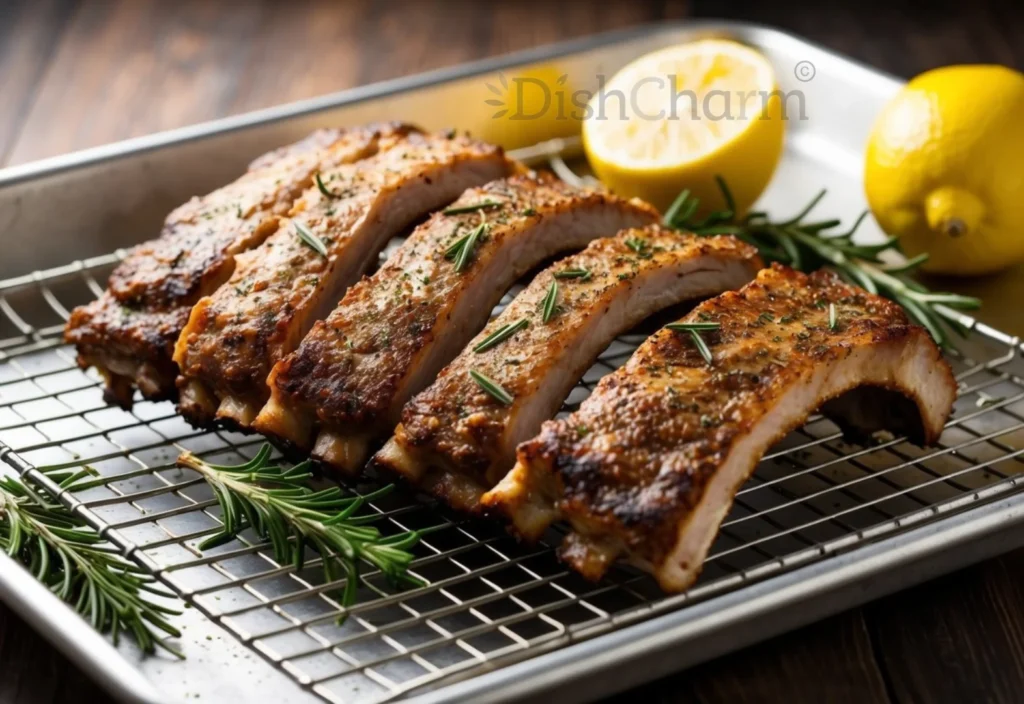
[676, 118]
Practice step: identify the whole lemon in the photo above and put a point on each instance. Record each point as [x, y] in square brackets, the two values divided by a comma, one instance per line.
[943, 169]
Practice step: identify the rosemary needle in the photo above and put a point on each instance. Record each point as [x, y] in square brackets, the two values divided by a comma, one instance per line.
[500, 335]
[482, 205]
[550, 301]
[833, 320]
[581, 273]
[322, 188]
[695, 329]
[311, 240]
[468, 245]
[688, 327]
[496, 390]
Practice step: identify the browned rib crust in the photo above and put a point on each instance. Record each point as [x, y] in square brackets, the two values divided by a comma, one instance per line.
[352, 372]
[278, 290]
[458, 442]
[630, 469]
[129, 332]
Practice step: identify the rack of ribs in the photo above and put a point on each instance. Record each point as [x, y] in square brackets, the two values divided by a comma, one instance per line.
[395, 330]
[334, 232]
[648, 466]
[457, 441]
[129, 332]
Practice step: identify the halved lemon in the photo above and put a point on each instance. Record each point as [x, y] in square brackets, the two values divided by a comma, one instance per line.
[676, 118]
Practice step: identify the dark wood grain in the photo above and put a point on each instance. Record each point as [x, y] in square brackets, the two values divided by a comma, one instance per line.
[31, 671]
[76, 73]
[968, 626]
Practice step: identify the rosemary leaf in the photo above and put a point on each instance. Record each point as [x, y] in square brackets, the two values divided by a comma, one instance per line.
[550, 302]
[311, 240]
[833, 320]
[466, 250]
[636, 244]
[482, 205]
[500, 335]
[496, 390]
[322, 188]
[702, 347]
[580, 273]
[455, 247]
[688, 327]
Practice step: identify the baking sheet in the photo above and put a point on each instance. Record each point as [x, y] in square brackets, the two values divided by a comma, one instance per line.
[889, 519]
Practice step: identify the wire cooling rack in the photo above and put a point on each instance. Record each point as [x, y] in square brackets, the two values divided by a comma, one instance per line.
[488, 601]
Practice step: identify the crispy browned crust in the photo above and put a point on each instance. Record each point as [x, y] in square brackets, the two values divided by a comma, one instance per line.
[633, 462]
[129, 332]
[349, 367]
[457, 428]
[236, 335]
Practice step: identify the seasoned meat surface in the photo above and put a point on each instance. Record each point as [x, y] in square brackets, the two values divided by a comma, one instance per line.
[130, 331]
[393, 331]
[457, 441]
[648, 466]
[279, 289]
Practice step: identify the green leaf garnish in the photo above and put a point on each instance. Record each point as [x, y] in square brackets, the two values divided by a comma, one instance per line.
[550, 301]
[496, 390]
[311, 240]
[500, 335]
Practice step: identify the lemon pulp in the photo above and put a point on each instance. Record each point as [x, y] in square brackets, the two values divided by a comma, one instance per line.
[676, 118]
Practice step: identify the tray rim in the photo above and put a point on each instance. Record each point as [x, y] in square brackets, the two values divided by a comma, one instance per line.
[840, 575]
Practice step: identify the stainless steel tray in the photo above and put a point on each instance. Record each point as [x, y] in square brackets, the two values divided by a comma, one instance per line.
[823, 525]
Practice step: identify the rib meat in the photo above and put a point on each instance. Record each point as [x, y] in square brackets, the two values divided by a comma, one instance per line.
[129, 332]
[648, 466]
[279, 289]
[394, 331]
[457, 441]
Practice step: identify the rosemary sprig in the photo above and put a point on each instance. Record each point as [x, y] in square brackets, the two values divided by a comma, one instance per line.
[500, 335]
[550, 302]
[79, 566]
[695, 329]
[581, 273]
[496, 390]
[311, 240]
[482, 205]
[281, 507]
[807, 245]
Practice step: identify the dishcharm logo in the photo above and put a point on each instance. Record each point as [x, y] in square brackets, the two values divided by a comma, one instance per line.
[650, 98]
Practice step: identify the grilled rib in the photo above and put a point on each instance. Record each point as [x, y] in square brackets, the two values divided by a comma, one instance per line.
[129, 332]
[394, 331]
[648, 466]
[457, 442]
[278, 290]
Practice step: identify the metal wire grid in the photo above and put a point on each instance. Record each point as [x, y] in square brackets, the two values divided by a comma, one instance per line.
[488, 601]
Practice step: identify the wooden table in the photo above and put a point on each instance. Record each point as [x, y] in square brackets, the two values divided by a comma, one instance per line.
[75, 74]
